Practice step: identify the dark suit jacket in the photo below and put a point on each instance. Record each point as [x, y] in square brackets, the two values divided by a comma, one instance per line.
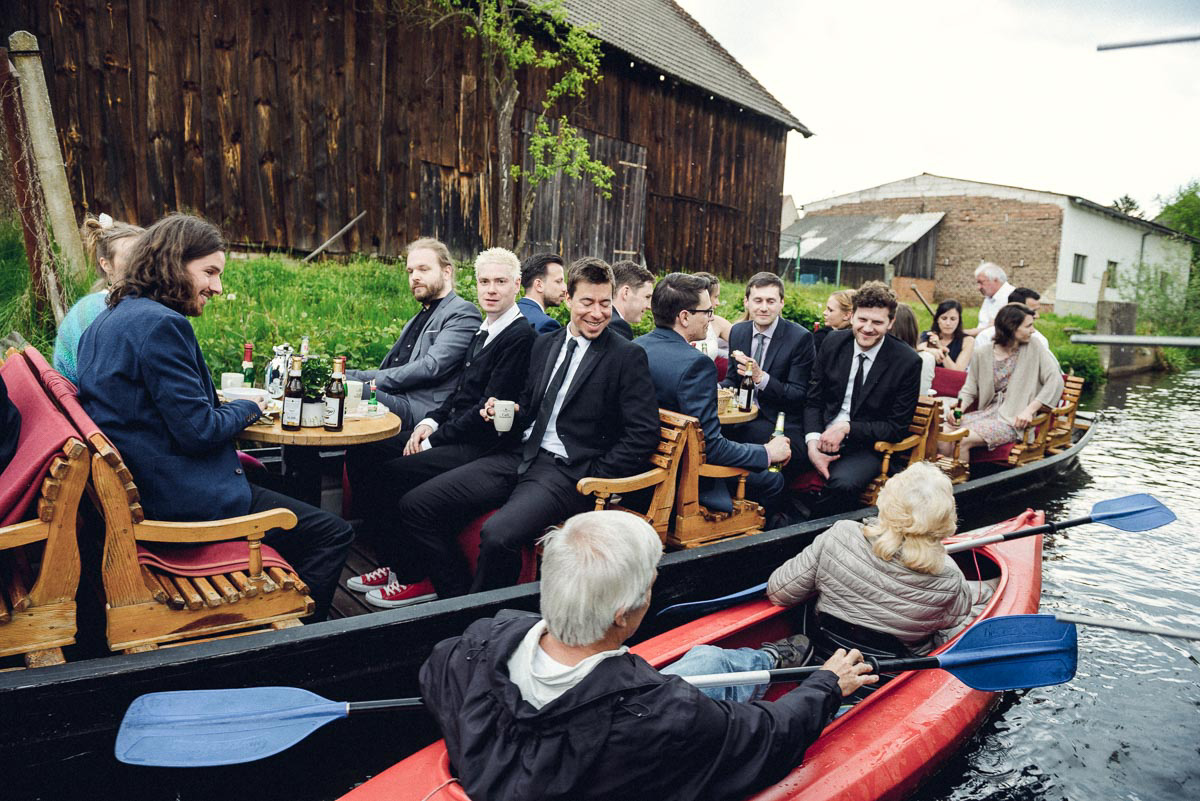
[143, 380]
[789, 363]
[541, 322]
[609, 419]
[685, 381]
[885, 405]
[620, 325]
[497, 371]
[10, 426]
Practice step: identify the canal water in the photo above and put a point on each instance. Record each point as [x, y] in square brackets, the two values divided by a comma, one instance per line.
[1127, 727]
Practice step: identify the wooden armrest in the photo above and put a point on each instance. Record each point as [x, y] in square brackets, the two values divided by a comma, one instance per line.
[911, 441]
[720, 471]
[953, 436]
[593, 486]
[249, 526]
[19, 534]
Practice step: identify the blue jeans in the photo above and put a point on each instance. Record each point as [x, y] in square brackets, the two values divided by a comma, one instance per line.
[704, 659]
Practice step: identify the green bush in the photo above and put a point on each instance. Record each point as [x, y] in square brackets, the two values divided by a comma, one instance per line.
[1083, 360]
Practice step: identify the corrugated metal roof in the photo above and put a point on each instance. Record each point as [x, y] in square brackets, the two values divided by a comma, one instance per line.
[663, 35]
[860, 238]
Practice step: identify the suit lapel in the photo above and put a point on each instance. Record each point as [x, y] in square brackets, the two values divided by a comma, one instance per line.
[776, 346]
[878, 368]
[590, 357]
[558, 338]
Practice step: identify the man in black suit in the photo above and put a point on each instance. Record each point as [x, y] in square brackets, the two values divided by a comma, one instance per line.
[632, 287]
[453, 434]
[686, 382]
[864, 389]
[779, 356]
[588, 409]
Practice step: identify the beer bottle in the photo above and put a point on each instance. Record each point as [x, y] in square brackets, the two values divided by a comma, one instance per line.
[335, 395]
[957, 412]
[778, 432]
[745, 392]
[293, 398]
[248, 364]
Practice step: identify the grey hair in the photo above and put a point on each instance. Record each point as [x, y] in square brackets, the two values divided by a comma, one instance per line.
[502, 257]
[992, 270]
[597, 566]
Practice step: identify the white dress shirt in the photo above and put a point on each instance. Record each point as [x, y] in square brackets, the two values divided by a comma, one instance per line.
[843, 414]
[551, 441]
[768, 336]
[989, 307]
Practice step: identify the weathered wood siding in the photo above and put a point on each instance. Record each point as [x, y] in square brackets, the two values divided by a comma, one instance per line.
[282, 119]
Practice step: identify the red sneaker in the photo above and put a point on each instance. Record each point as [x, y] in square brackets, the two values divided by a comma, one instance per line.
[397, 594]
[377, 579]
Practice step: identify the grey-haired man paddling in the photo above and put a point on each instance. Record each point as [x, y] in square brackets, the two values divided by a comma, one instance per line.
[557, 708]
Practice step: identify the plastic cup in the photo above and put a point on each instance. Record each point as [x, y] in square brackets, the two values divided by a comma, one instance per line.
[354, 393]
[505, 411]
[232, 380]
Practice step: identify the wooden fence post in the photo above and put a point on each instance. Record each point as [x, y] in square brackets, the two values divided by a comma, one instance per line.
[51, 172]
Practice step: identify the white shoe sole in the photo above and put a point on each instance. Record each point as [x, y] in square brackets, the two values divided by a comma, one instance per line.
[376, 600]
[354, 583]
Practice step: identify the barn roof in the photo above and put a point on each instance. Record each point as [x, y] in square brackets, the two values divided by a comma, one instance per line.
[661, 34]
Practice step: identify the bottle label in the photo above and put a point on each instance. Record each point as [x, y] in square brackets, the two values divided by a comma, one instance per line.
[291, 411]
[743, 398]
[333, 411]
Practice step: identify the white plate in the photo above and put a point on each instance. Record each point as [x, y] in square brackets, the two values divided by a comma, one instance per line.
[244, 393]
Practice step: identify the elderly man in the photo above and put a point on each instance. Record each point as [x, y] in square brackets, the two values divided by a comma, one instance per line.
[632, 286]
[993, 285]
[452, 435]
[421, 370]
[1031, 298]
[685, 381]
[556, 707]
[542, 279]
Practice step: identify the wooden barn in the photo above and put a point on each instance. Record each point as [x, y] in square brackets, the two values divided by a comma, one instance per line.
[281, 120]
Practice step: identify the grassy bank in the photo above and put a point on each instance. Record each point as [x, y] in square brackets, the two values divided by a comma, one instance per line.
[358, 309]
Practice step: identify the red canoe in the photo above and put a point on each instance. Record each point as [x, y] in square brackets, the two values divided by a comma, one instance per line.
[883, 748]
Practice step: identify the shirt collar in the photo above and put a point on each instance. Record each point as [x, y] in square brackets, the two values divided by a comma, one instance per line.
[873, 352]
[769, 333]
[502, 322]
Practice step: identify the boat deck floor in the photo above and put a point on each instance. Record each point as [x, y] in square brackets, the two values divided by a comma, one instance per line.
[347, 603]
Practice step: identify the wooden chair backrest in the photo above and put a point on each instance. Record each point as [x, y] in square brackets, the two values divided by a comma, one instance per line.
[119, 502]
[669, 454]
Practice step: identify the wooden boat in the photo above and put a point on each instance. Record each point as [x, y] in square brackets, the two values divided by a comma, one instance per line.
[72, 711]
[881, 749]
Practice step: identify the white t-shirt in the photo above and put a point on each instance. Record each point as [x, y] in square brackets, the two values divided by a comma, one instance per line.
[989, 307]
[541, 679]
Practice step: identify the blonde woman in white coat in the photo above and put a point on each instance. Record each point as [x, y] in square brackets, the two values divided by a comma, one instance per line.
[891, 574]
[1012, 380]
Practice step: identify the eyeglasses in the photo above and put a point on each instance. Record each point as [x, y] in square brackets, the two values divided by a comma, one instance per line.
[710, 311]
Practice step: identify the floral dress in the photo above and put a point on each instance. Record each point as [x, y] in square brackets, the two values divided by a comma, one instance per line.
[987, 423]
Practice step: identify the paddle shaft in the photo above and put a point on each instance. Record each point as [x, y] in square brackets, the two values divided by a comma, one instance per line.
[1045, 528]
[791, 674]
[382, 705]
[1122, 625]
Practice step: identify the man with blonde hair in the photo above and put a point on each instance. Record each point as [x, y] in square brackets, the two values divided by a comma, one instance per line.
[993, 285]
[450, 436]
[558, 703]
[421, 370]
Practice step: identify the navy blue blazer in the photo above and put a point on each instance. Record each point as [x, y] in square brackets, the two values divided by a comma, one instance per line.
[541, 322]
[143, 380]
[789, 363]
[685, 381]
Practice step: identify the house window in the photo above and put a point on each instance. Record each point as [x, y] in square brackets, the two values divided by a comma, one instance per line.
[1077, 270]
[1112, 275]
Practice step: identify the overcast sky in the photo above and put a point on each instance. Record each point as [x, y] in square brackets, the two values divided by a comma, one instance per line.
[1003, 91]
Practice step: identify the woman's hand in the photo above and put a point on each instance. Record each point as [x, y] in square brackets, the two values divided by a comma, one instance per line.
[1025, 417]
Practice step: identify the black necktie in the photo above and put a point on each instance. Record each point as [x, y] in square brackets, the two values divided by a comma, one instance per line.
[859, 377]
[529, 452]
[476, 345]
[759, 346]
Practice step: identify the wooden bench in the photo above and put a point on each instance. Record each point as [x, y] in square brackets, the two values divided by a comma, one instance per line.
[696, 524]
[147, 606]
[40, 491]
[1062, 421]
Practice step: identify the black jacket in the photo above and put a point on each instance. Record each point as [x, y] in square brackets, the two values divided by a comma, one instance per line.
[620, 325]
[497, 371]
[888, 398]
[10, 427]
[626, 731]
[789, 362]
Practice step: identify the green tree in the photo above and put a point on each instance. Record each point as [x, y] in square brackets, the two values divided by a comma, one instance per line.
[514, 35]
[1181, 211]
[1127, 205]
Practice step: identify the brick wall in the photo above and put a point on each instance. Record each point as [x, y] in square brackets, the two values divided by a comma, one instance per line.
[1023, 238]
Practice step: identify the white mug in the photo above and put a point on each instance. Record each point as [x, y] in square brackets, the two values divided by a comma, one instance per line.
[504, 413]
[232, 380]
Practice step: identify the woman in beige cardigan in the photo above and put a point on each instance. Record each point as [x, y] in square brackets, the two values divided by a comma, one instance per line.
[1012, 380]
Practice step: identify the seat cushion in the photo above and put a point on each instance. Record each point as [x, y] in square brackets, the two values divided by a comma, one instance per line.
[948, 383]
[207, 560]
[44, 431]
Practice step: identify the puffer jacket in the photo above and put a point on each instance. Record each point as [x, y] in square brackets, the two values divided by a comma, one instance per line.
[855, 585]
[625, 731]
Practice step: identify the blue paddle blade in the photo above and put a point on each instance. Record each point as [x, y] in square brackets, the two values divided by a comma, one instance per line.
[199, 728]
[713, 604]
[1133, 513]
[1012, 652]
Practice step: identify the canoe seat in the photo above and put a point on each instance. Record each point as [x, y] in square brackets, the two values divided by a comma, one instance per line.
[1062, 421]
[697, 524]
[40, 491]
[829, 633]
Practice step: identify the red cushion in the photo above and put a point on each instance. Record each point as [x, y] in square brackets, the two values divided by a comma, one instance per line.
[44, 431]
[722, 367]
[468, 541]
[997, 455]
[209, 559]
[65, 394]
[948, 383]
[808, 481]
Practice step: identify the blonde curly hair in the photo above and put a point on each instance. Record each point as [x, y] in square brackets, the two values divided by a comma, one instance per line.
[916, 512]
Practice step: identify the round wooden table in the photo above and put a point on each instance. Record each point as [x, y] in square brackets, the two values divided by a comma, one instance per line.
[302, 449]
[729, 418]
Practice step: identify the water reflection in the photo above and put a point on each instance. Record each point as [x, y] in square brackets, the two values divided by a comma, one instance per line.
[1128, 726]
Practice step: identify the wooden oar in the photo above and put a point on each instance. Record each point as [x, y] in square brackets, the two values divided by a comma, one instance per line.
[197, 728]
[1140, 512]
